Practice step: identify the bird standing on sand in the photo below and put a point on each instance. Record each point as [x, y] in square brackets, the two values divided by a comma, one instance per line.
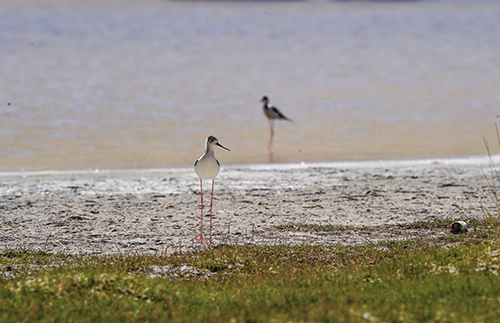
[207, 167]
[272, 113]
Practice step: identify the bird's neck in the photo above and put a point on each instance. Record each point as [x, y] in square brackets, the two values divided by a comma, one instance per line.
[209, 150]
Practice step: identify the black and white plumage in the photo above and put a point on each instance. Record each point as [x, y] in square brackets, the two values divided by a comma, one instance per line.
[272, 113]
[207, 167]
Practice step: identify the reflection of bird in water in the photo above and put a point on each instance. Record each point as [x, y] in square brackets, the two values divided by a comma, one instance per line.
[272, 113]
[207, 167]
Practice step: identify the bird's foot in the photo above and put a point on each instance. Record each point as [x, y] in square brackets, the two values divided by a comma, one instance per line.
[202, 240]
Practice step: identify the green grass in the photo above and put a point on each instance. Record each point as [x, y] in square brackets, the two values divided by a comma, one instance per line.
[450, 279]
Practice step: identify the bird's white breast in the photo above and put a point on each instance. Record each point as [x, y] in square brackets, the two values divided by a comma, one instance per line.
[207, 168]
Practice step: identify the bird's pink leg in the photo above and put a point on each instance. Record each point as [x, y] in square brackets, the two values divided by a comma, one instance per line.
[270, 145]
[271, 128]
[211, 202]
[201, 240]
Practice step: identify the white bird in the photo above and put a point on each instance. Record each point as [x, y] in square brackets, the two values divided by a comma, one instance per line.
[272, 113]
[207, 167]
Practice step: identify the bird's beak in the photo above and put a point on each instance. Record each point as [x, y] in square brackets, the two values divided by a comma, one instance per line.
[223, 147]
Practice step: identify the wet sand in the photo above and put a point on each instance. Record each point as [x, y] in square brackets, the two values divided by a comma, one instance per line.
[158, 210]
[141, 84]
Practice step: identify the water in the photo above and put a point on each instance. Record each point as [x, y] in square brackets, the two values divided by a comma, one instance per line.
[141, 84]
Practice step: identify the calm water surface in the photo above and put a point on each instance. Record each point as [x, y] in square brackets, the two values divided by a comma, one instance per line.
[140, 84]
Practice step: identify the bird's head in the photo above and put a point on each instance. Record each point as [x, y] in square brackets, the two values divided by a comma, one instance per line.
[264, 99]
[211, 140]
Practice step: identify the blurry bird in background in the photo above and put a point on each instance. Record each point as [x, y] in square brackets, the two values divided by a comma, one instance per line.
[272, 113]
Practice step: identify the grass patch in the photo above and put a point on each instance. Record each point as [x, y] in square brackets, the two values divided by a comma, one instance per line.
[318, 227]
[429, 224]
[478, 226]
[453, 279]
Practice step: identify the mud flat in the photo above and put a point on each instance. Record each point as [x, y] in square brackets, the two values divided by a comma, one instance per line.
[107, 212]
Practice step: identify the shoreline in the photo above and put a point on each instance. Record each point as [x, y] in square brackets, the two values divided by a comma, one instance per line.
[109, 212]
[472, 160]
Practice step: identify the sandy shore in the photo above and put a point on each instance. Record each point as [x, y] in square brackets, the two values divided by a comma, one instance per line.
[158, 210]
